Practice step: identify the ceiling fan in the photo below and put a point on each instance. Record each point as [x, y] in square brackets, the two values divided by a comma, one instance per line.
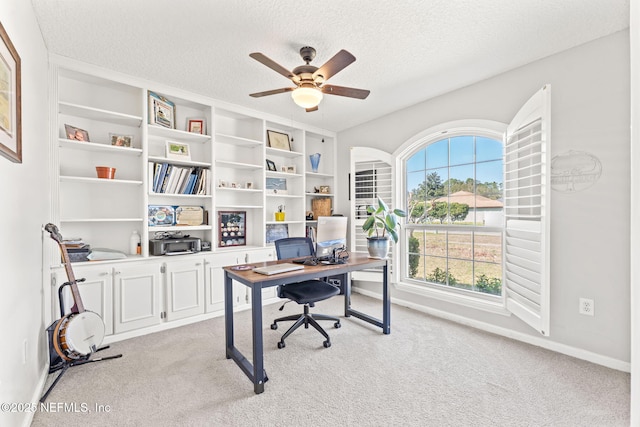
[309, 80]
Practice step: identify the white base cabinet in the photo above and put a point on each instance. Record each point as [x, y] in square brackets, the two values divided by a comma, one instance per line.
[132, 296]
[184, 288]
[136, 291]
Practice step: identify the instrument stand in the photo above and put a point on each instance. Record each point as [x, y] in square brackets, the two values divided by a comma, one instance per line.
[56, 363]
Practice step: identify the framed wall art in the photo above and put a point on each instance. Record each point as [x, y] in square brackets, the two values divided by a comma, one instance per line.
[271, 166]
[232, 228]
[275, 232]
[161, 111]
[10, 100]
[278, 140]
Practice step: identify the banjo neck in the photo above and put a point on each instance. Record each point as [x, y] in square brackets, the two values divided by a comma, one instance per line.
[78, 306]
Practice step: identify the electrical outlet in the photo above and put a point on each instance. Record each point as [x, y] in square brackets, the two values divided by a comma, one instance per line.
[586, 306]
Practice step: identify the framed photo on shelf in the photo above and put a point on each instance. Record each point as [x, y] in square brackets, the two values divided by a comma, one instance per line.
[162, 112]
[232, 226]
[178, 151]
[197, 125]
[271, 166]
[10, 101]
[278, 140]
[276, 231]
[291, 169]
[276, 186]
[76, 134]
[121, 140]
[324, 189]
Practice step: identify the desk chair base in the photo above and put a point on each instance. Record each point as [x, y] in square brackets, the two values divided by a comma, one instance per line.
[306, 319]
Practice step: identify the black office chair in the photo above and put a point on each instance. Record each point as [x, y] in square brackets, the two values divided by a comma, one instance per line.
[306, 293]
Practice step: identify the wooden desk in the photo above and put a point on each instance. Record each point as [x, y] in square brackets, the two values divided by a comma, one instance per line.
[256, 282]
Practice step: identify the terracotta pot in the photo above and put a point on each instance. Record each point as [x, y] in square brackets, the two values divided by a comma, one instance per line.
[105, 172]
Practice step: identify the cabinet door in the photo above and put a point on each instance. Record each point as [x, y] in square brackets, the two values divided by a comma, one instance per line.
[184, 290]
[95, 291]
[260, 255]
[214, 280]
[136, 296]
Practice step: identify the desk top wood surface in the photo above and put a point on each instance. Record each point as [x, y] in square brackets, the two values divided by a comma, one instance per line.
[355, 262]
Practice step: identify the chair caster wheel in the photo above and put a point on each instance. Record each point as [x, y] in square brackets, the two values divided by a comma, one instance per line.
[280, 344]
[274, 326]
[326, 344]
[337, 325]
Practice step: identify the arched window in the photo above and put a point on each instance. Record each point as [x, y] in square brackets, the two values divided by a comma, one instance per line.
[453, 195]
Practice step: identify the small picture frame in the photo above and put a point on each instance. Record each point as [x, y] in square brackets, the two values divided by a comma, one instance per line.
[324, 189]
[121, 140]
[232, 228]
[223, 184]
[197, 125]
[178, 151]
[291, 169]
[276, 186]
[271, 166]
[76, 134]
[162, 112]
[248, 185]
[278, 140]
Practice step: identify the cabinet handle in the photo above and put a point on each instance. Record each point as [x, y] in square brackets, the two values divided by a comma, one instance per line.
[198, 263]
[116, 272]
[104, 274]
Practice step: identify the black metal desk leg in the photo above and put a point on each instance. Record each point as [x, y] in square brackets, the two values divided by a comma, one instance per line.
[347, 295]
[259, 376]
[228, 314]
[386, 301]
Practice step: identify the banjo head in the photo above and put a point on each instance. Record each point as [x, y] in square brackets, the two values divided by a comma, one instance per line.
[85, 332]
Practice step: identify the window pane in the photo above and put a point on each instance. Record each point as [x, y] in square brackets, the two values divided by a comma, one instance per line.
[438, 154]
[459, 245]
[417, 161]
[461, 150]
[436, 270]
[488, 149]
[461, 195]
[460, 273]
[416, 251]
[488, 278]
[487, 247]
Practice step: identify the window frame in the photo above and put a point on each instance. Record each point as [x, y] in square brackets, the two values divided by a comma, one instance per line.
[482, 128]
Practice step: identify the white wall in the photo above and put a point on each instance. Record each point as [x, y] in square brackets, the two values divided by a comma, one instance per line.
[589, 229]
[635, 212]
[24, 198]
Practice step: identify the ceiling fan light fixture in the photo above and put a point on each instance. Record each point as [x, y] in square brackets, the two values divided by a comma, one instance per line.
[307, 97]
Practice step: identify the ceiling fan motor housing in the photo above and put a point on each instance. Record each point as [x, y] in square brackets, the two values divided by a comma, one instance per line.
[307, 53]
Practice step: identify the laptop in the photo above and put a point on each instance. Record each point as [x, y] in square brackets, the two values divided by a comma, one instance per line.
[278, 268]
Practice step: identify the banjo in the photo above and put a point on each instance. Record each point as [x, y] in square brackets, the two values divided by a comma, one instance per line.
[80, 332]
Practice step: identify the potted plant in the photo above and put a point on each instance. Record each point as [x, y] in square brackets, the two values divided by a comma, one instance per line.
[382, 222]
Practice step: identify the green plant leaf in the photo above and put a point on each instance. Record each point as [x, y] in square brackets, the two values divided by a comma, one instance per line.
[368, 224]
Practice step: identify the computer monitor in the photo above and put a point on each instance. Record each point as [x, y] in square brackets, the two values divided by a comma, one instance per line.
[331, 234]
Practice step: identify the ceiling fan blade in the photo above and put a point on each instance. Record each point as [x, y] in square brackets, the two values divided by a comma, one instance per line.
[272, 92]
[336, 64]
[345, 91]
[274, 66]
[308, 110]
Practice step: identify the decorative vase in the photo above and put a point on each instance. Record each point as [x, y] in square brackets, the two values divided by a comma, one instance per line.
[315, 161]
[378, 247]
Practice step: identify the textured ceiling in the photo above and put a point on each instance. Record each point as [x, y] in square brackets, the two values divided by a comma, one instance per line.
[407, 51]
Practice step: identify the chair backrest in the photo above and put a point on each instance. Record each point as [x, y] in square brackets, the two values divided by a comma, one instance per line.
[294, 247]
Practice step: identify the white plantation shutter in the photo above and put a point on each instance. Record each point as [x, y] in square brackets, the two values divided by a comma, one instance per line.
[526, 211]
[371, 177]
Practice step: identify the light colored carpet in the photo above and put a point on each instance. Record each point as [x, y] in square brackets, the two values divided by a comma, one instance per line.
[427, 372]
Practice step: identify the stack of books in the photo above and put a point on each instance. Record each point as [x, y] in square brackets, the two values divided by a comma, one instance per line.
[172, 179]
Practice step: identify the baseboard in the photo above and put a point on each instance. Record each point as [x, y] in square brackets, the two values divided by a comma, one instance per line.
[37, 394]
[578, 353]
